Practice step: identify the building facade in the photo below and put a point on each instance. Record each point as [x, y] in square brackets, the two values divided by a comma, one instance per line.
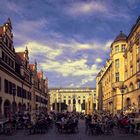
[22, 87]
[73, 99]
[118, 82]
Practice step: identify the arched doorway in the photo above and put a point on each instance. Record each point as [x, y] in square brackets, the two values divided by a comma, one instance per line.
[7, 109]
[128, 102]
[139, 103]
[0, 107]
[24, 107]
[19, 107]
[14, 107]
[131, 87]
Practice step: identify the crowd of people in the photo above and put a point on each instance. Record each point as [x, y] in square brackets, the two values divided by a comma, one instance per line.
[67, 122]
[37, 123]
[105, 124]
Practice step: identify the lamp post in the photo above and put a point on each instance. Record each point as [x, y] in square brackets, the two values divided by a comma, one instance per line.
[122, 101]
[14, 93]
[74, 103]
[23, 78]
[59, 96]
[122, 93]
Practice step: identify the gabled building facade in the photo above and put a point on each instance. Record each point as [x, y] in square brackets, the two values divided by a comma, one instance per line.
[21, 87]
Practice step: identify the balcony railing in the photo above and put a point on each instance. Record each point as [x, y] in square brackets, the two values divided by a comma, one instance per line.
[117, 85]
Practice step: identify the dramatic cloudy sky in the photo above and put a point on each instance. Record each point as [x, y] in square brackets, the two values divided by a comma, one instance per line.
[70, 39]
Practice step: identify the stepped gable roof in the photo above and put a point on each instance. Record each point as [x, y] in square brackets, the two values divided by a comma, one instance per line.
[39, 75]
[19, 57]
[32, 66]
[120, 37]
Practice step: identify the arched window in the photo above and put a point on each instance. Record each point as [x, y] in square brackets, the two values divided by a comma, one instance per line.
[126, 89]
[7, 108]
[139, 101]
[128, 102]
[131, 87]
[138, 84]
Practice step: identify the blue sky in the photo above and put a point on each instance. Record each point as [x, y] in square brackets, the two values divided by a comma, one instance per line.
[70, 39]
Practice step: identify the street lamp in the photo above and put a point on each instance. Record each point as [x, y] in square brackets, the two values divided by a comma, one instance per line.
[59, 96]
[14, 93]
[122, 93]
[74, 102]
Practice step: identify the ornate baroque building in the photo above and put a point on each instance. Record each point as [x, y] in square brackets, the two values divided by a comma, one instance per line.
[73, 99]
[118, 82]
[22, 87]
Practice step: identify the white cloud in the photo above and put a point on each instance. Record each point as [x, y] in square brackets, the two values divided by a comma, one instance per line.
[36, 48]
[87, 7]
[98, 60]
[86, 80]
[76, 46]
[98, 8]
[53, 59]
[74, 68]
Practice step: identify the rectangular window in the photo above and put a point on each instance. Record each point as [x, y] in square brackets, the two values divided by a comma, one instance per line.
[138, 66]
[138, 49]
[117, 63]
[0, 83]
[6, 58]
[131, 71]
[18, 91]
[123, 47]
[130, 55]
[117, 49]
[117, 77]
[6, 84]
[74, 101]
[10, 88]
[3, 55]
[25, 94]
[69, 101]
[83, 101]
[79, 101]
[30, 96]
[139, 84]
[65, 101]
[126, 75]
[13, 89]
[36, 98]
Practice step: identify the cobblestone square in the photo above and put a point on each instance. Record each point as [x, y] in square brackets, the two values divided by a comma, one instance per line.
[53, 135]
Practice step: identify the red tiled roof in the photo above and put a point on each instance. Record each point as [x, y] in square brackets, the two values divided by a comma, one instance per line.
[1, 30]
[32, 66]
[39, 75]
[19, 57]
[20, 54]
